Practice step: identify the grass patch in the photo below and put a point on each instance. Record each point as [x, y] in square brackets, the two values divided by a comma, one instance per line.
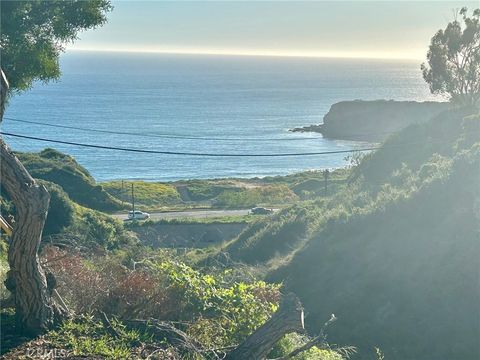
[203, 190]
[249, 197]
[148, 195]
[236, 219]
[86, 336]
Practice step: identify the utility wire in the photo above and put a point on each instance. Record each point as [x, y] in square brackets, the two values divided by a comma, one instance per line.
[183, 153]
[163, 136]
[179, 136]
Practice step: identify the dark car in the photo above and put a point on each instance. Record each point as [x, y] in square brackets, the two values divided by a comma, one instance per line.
[260, 211]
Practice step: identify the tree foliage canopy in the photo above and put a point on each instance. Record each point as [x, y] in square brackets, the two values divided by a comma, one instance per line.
[34, 34]
[454, 60]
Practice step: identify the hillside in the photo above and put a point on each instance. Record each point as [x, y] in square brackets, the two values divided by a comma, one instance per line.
[407, 268]
[395, 255]
[373, 120]
[61, 169]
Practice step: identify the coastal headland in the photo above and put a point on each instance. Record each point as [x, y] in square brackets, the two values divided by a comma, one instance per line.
[373, 120]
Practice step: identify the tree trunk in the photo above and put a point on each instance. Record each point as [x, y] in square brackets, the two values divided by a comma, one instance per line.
[288, 318]
[35, 309]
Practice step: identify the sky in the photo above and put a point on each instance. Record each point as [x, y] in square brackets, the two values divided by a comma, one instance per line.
[365, 29]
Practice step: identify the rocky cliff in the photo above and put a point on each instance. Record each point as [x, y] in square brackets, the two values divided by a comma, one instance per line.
[373, 120]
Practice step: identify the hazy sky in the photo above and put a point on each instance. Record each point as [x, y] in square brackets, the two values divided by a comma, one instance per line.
[392, 29]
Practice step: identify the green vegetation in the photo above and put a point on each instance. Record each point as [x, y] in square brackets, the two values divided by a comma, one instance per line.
[268, 190]
[215, 310]
[398, 225]
[276, 235]
[61, 211]
[38, 31]
[33, 34]
[405, 227]
[390, 244]
[76, 181]
[203, 190]
[147, 194]
[68, 221]
[374, 177]
[56, 168]
[244, 198]
[402, 248]
[96, 230]
[227, 193]
[293, 341]
[454, 59]
[234, 219]
[85, 335]
[3, 270]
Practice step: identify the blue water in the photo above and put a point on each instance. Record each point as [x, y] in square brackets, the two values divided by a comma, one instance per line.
[254, 100]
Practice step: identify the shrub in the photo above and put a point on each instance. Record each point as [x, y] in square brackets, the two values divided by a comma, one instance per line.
[60, 212]
[167, 290]
[94, 229]
[293, 341]
[4, 293]
[237, 307]
[201, 190]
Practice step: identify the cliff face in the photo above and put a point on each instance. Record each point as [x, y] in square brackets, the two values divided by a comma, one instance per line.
[375, 120]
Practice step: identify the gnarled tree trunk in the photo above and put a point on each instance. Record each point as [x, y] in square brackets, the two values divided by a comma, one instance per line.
[35, 308]
[288, 318]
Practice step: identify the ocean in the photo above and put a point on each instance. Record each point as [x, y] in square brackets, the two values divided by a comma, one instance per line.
[201, 104]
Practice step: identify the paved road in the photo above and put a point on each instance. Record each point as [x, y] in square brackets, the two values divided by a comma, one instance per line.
[189, 214]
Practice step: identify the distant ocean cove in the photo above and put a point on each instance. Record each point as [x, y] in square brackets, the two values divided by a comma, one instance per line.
[201, 104]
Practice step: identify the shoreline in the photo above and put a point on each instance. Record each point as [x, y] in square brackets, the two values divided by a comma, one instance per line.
[247, 178]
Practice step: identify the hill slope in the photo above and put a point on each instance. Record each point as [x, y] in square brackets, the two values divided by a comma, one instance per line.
[395, 255]
[403, 276]
[76, 181]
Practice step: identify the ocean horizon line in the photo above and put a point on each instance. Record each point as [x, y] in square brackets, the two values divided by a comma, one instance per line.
[247, 54]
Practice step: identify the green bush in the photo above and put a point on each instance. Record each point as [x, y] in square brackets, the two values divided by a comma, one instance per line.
[237, 308]
[220, 303]
[202, 190]
[294, 341]
[60, 212]
[94, 229]
[4, 293]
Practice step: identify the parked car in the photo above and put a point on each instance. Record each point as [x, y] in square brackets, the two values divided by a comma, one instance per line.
[138, 215]
[260, 211]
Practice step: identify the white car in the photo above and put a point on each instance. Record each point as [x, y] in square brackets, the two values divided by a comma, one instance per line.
[138, 215]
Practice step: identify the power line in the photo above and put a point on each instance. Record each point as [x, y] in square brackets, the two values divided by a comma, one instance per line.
[182, 153]
[179, 136]
[163, 136]
[17, 142]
